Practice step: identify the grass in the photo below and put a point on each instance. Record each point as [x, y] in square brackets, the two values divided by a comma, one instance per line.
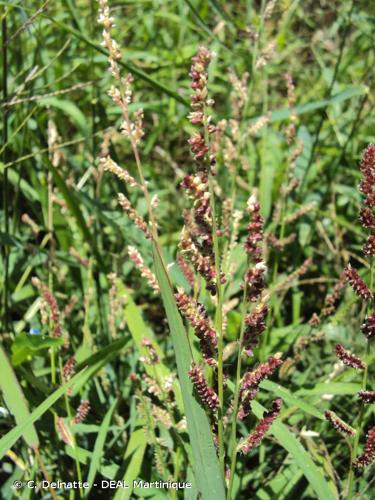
[54, 78]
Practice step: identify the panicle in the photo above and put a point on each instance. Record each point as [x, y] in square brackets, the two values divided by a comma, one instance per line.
[338, 424]
[280, 244]
[186, 270]
[357, 283]
[199, 102]
[239, 95]
[199, 220]
[110, 166]
[368, 454]
[262, 371]
[68, 368]
[367, 167]
[26, 219]
[82, 411]
[257, 126]
[296, 274]
[256, 437]
[255, 326]
[146, 273]
[348, 358]
[332, 298]
[207, 394]
[367, 218]
[134, 216]
[52, 303]
[266, 55]
[202, 264]
[368, 327]
[198, 317]
[247, 396]
[369, 246]
[254, 231]
[367, 397]
[153, 357]
[63, 431]
[255, 281]
[113, 49]
[303, 210]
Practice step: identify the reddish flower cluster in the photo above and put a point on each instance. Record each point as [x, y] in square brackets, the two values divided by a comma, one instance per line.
[200, 223]
[198, 317]
[262, 371]
[367, 218]
[254, 231]
[367, 167]
[134, 216]
[339, 424]
[348, 358]
[332, 298]
[367, 397]
[207, 395]
[357, 283]
[368, 454]
[366, 187]
[52, 303]
[82, 412]
[369, 246]
[69, 368]
[280, 244]
[202, 263]
[256, 437]
[199, 101]
[186, 270]
[368, 327]
[255, 326]
[247, 397]
[254, 281]
[251, 380]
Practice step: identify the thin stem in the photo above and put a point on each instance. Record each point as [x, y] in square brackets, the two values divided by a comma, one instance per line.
[328, 94]
[44, 471]
[219, 324]
[353, 455]
[232, 443]
[76, 456]
[358, 431]
[5, 179]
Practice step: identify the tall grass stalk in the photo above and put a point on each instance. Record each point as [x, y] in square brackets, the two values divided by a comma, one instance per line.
[354, 450]
[233, 440]
[4, 34]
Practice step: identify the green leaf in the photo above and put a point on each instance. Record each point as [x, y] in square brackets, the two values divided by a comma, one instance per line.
[16, 402]
[25, 345]
[334, 388]
[205, 463]
[75, 209]
[312, 473]
[134, 459]
[68, 107]
[128, 66]
[7, 441]
[99, 446]
[290, 398]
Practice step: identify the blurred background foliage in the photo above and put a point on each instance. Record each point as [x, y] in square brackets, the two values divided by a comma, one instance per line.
[54, 71]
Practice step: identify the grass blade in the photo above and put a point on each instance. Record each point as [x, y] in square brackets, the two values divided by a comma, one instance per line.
[206, 465]
[134, 453]
[15, 399]
[7, 441]
[99, 445]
